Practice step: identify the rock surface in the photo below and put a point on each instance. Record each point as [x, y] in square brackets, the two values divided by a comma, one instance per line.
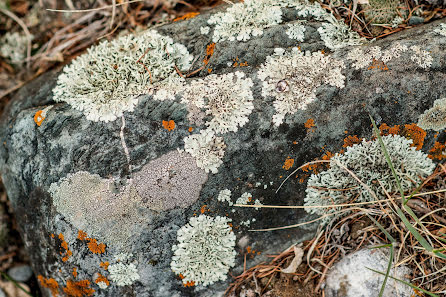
[21, 273]
[351, 278]
[40, 164]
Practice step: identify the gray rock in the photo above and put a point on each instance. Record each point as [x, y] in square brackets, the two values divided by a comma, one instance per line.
[351, 278]
[2, 294]
[416, 20]
[100, 199]
[20, 273]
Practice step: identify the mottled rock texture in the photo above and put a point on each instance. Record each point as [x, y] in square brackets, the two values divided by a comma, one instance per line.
[33, 157]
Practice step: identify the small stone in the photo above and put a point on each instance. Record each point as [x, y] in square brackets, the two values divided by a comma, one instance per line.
[2, 294]
[351, 277]
[416, 20]
[20, 273]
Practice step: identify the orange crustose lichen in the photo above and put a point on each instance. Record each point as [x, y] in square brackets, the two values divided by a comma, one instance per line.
[289, 162]
[104, 265]
[438, 151]
[351, 140]
[78, 289]
[102, 278]
[376, 64]
[39, 117]
[49, 283]
[410, 131]
[74, 272]
[67, 254]
[169, 125]
[81, 235]
[209, 52]
[309, 124]
[187, 16]
[94, 247]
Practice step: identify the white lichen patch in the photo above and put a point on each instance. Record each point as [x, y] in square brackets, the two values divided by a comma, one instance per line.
[336, 34]
[106, 81]
[207, 149]
[245, 19]
[123, 272]
[421, 57]
[367, 161]
[225, 196]
[246, 199]
[13, 47]
[435, 117]
[441, 29]
[364, 58]
[205, 250]
[227, 98]
[205, 30]
[296, 31]
[171, 181]
[293, 77]
[96, 206]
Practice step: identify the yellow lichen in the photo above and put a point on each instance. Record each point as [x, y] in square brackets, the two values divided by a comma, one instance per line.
[74, 272]
[187, 16]
[81, 235]
[94, 247]
[438, 151]
[104, 265]
[102, 278]
[209, 52]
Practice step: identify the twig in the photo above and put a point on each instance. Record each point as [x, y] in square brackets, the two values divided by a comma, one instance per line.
[93, 9]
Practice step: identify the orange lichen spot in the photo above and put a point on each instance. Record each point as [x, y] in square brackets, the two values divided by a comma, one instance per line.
[67, 254]
[81, 235]
[104, 265]
[38, 117]
[251, 252]
[190, 129]
[203, 209]
[189, 284]
[410, 131]
[52, 235]
[294, 142]
[289, 162]
[102, 278]
[49, 283]
[169, 125]
[74, 272]
[351, 140]
[438, 151]
[209, 70]
[322, 52]
[415, 133]
[386, 130]
[309, 124]
[209, 52]
[376, 64]
[187, 16]
[78, 289]
[94, 247]
[327, 156]
[239, 64]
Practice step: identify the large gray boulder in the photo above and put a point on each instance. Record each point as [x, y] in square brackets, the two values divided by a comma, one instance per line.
[101, 202]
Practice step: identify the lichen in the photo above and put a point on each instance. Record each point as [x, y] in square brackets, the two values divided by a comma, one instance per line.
[441, 29]
[13, 47]
[123, 272]
[205, 251]
[225, 195]
[293, 77]
[296, 31]
[207, 149]
[435, 117]
[106, 81]
[245, 19]
[367, 161]
[421, 57]
[78, 289]
[162, 181]
[336, 34]
[227, 98]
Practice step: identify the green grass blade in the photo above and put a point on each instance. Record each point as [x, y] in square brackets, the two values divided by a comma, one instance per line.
[390, 237]
[406, 283]
[440, 255]
[426, 245]
[15, 283]
[386, 277]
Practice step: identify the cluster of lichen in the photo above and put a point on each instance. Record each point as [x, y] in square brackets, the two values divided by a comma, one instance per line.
[362, 174]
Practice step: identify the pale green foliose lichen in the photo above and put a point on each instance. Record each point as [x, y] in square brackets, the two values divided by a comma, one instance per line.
[123, 272]
[292, 77]
[367, 161]
[336, 34]
[435, 117]
[13, 47]
[441, 29]
[106, 81]
[205, 250]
